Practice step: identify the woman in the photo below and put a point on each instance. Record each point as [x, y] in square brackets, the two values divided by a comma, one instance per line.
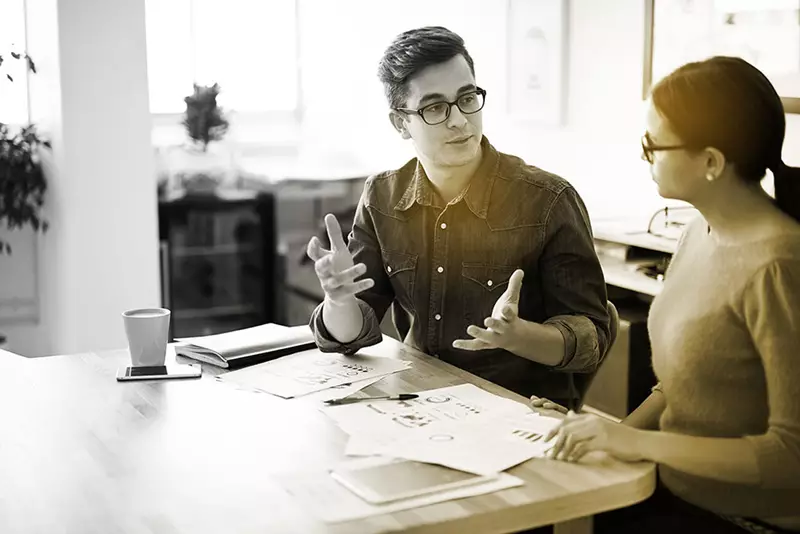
[723, 424]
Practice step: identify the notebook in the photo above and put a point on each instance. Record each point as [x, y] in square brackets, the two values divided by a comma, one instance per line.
[248, 346]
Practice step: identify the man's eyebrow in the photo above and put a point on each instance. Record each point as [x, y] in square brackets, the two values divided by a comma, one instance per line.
[439, 97]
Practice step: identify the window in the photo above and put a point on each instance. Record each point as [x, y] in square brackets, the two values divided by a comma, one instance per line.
[249, 48]
[13, 96]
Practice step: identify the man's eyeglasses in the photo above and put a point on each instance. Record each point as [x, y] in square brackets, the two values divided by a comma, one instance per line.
[438, 112]
[648, 148]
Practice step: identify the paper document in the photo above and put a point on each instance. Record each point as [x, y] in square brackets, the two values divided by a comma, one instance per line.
[311, 371]
[332, 502]
[463, 427]
[483, 447]
[433, 407]
[345, 390]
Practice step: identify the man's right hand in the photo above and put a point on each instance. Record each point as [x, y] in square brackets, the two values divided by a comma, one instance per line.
[335, 269]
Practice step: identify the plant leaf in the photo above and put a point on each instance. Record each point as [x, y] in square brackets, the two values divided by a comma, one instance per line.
[9, 77]
[15, 55]
[31, 64]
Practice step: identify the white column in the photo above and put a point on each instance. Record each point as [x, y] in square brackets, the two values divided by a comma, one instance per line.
[100, 255]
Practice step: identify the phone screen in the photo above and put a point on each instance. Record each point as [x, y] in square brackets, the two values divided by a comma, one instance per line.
[157, 372]
[403, 479]
[147, 371]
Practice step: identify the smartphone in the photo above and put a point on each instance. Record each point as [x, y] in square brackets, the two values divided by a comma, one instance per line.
[159, 372]
[402, 479]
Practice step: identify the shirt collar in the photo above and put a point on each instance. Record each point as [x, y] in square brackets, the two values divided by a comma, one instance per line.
[478, 191]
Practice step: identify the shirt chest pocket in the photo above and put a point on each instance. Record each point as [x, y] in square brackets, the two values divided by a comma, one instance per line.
[401, 268]
[481, 286]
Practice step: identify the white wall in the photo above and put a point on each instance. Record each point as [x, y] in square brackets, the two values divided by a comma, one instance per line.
[100, 256]
[597, 148]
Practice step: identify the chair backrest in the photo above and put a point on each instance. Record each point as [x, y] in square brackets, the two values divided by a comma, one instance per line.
[580, 382]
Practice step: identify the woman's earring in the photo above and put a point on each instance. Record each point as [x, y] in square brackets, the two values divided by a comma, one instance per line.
[710, 177]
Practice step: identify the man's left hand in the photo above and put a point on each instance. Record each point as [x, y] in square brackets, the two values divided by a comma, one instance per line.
[504, 329]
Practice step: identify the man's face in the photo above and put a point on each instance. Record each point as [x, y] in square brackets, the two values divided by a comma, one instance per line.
[456, 141]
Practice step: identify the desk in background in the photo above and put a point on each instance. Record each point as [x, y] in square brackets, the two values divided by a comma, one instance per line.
[83, 453]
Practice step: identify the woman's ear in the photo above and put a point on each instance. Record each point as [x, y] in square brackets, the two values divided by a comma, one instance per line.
[399, 123]
[714, 163]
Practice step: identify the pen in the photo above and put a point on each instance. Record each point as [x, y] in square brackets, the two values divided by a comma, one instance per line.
[350, 400]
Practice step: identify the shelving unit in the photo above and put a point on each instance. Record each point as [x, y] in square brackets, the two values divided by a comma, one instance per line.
[218, 262]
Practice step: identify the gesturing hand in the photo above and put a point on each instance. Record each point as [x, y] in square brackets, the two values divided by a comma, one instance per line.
[335, 270]
[504, 327]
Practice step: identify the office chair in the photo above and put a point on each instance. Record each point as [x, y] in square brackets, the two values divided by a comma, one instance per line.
[579, 382]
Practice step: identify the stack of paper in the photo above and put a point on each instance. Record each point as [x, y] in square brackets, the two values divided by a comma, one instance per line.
[462, 427]
[313, 371]
[332, 502]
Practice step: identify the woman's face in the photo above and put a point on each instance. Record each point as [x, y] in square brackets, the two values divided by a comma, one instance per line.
[679, 173]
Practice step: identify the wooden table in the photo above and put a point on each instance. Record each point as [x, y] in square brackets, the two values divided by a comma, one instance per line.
[83, 453]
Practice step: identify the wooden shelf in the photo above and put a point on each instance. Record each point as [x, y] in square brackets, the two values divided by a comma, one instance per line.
[616, 233]
[216, 250]
[215, 311]
[624, 274]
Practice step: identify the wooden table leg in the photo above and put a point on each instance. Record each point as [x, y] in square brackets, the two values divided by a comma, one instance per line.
[582, 525]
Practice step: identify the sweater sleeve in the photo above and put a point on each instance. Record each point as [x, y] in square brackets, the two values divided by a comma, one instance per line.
[771, 309]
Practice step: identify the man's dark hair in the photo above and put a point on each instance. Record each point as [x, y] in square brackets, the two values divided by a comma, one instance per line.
[413, 51]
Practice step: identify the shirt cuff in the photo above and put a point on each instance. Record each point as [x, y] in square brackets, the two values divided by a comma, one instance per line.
[370, 331]
[581, 351]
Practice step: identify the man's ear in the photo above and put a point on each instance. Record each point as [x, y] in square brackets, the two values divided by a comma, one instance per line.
[399, 123]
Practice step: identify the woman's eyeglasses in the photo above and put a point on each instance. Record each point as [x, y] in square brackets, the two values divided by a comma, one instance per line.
[649, 148]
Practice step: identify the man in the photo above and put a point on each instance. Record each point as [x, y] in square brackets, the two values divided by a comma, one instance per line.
[446, 240]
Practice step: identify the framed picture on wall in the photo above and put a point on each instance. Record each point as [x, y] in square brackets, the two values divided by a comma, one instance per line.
[764, 32]
[537, 61]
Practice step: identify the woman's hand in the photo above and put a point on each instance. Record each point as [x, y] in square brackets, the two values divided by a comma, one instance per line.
[578, 435]
[546, 407]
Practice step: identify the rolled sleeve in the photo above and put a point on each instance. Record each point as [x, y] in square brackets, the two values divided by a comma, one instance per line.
[370, 331]
[573, 286]
[581, 347]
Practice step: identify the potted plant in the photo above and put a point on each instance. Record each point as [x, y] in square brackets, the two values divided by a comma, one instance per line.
[22, 180]
[204, 120]
[201, 170]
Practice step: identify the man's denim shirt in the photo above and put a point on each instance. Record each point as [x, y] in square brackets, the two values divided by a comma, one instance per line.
[441, 267]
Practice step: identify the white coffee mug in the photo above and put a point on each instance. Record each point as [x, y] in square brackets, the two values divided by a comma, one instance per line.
[147, 330]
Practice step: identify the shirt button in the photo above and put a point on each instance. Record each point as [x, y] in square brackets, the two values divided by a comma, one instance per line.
[489, 283]
[440, 269]
[389, 268]
[437, 317]
[443, 226]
